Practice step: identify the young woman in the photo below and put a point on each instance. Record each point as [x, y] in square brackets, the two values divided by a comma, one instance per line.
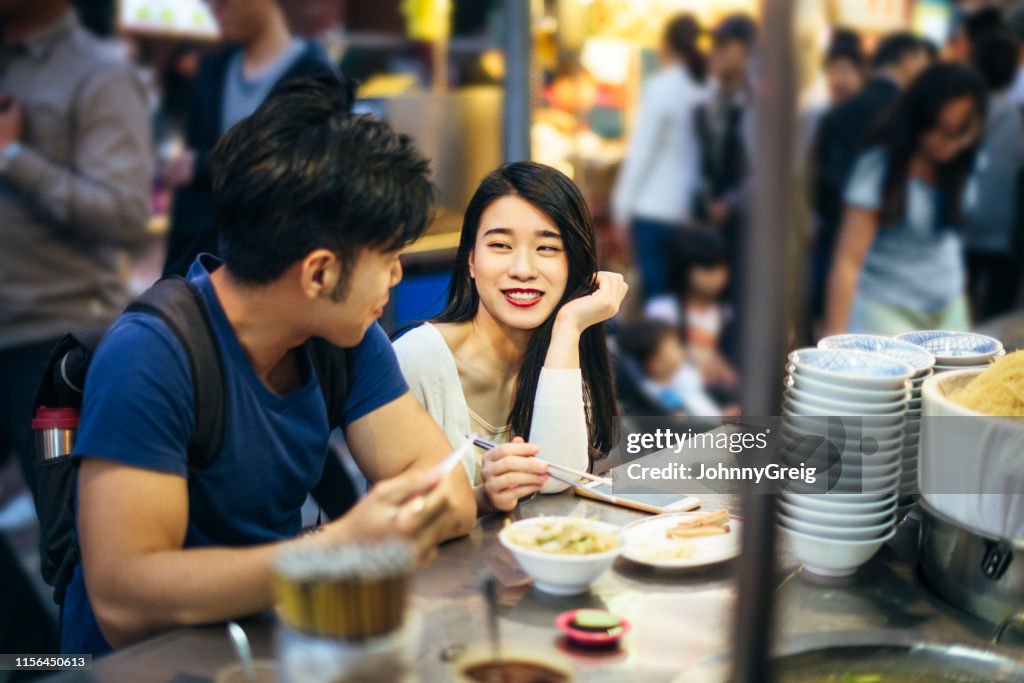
[899, 259]
[660, 176]
[519, 350]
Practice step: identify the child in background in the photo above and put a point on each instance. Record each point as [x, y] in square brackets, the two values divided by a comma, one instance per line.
[656, 362]
[698, 309]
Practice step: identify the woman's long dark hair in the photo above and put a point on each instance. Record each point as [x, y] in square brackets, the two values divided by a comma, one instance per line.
[914, 114]
[558, 198]
[681, 36]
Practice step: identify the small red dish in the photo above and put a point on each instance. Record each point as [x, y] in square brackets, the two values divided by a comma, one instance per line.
[564, 622]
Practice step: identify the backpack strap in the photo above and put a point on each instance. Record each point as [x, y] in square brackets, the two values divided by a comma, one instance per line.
[333, 366]
[179, 303]
[335, 492]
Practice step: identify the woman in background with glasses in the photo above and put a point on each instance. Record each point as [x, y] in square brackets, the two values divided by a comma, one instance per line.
[899, 262]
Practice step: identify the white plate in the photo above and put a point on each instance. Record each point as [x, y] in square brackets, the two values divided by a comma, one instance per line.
[645, 538]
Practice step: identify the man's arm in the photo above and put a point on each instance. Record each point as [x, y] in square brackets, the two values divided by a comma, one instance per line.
[401, 436]
[104, 195]
[132, 525]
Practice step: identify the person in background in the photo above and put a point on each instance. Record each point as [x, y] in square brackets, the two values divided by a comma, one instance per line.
[657, 360]
[653, 194]
[178, 88]
[845, 67]
[899, 259]
[896, 62]
[519, 350]
[991, 204]
[1015, 23]
[698, 310]
[75, 169]
[972, 23]
[845, 71]
[165, 545]
[261, 53]
[725, 126]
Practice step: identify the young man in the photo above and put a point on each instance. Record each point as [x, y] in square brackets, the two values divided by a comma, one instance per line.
[261, 53]
[313, 207]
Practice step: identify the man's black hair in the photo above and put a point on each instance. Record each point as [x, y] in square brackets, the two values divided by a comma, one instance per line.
[995, 57]
[894, 47]
[845, 45]
[739, 27]
[303, 173]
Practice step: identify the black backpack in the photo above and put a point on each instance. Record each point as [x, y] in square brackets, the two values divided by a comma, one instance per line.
[179, 304]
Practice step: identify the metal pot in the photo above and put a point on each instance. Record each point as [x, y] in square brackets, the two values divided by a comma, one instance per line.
[890, 655]
[977, 572]
[893, 655]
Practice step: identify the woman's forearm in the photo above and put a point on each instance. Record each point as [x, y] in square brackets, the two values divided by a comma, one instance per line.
[559, 425]
[564, 349]
[842, 287]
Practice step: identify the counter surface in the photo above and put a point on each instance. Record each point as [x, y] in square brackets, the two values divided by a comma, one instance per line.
[681, 621]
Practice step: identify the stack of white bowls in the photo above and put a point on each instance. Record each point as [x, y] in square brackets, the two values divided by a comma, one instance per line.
[956, 350]
[922, 362]
[843, 413]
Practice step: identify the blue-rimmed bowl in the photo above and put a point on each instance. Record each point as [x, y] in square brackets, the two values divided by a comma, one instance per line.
[848, 368]
[845, 407]
[917, 357]
[955, 348]
[833, 392]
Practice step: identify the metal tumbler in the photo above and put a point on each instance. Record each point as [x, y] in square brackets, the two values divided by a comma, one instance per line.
[55, 430]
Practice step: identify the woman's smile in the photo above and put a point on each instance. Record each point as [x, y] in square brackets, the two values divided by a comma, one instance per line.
[523, 298]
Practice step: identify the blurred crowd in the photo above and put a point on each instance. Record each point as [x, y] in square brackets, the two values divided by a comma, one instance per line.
[912, 166]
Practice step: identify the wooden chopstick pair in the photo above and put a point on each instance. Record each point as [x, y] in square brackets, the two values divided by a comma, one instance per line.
[488, 445]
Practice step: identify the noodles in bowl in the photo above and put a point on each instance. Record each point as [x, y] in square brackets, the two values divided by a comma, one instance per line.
[563, 536]
[999, 390]
[563, 555]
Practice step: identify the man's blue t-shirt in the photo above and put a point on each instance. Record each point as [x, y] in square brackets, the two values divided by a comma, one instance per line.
[138, 410]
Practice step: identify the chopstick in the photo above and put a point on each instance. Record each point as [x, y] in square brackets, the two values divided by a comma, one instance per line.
[484, 443]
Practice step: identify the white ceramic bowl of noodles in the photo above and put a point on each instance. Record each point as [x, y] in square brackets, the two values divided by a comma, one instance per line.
[561, 573]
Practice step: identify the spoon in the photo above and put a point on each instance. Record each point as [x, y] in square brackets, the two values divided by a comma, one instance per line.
[489, 584]
[243, 650]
